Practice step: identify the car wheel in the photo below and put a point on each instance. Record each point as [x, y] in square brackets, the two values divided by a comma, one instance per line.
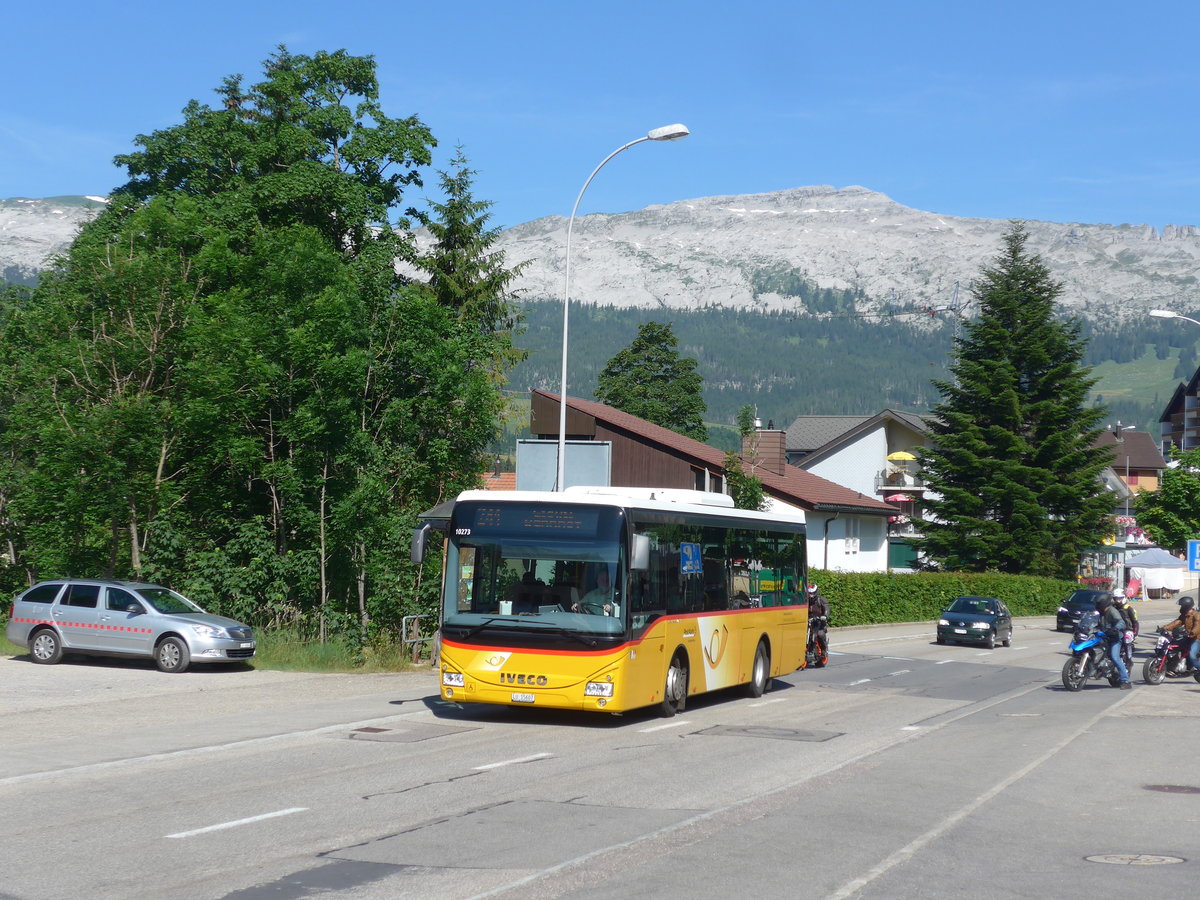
[1008, 638]
[760, 675]
[675, 688]
[45, 648]
[172, 655]
[940, 639]
[990, 643]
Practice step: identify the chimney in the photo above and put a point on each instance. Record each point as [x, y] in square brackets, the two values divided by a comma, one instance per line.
[765, 450]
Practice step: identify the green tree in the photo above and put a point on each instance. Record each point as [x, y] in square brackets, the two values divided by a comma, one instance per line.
[226, 385]
[1013, 472]
[649, 379]
[1172, 513]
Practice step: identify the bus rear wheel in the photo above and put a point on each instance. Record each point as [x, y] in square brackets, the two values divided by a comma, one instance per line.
[675, 689]
[760, 675]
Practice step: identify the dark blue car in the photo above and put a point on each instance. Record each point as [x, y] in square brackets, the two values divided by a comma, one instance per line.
[976, 620]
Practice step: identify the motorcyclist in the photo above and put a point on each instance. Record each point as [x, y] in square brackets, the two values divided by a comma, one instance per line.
[1132, 626]
[818, 623]
[1113, 625]
[1189, 620]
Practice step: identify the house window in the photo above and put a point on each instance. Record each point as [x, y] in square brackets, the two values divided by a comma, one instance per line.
[700, 478]
[1131, 478]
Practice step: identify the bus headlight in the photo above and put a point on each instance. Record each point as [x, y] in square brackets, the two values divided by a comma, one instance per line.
[598, 689]
[453, 679]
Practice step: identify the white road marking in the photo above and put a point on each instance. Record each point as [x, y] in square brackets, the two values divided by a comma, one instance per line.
[907, 852]
[674, 724]
[899, 672]
[235, 824]
[511, 762]
[942, 662]
[761, 703]
[202, 751]
[860, 681]
[900, 658]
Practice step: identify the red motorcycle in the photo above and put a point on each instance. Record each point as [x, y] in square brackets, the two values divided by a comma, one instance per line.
[1170, 659]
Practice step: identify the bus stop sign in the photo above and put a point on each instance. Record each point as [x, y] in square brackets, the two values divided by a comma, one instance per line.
[1194, 556]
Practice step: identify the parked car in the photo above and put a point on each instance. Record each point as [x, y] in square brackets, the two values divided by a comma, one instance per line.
[976, 620]
[127, 619]
[1076, 605]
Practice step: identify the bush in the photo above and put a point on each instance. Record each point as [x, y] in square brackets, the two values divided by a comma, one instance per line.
[872, 598]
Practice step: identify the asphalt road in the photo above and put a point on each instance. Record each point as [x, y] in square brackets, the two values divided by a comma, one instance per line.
[904, 769]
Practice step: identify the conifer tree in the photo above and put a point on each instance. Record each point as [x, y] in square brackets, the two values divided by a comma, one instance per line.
[1013, 468]
[651, 380]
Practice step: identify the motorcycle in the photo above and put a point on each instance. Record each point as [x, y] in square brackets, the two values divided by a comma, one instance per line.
[818, 642]
[1089, 655]
[1170, 659]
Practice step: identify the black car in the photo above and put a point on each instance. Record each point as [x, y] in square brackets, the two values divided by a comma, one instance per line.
[976, 620]
[1076, 605]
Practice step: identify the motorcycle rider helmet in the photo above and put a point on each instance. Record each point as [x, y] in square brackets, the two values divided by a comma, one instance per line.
[1118, 596]
[812, 589]
[1186, 605]
[1103, 603]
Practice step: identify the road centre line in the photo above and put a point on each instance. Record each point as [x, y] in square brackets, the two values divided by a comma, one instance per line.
[511, 762]
[236, 823]
[765, 702]
[905, 853]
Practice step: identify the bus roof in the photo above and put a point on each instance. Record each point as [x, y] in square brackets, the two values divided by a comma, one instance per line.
[659, 499]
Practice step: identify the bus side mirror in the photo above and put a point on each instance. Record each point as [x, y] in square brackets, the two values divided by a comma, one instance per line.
[640, 561]
[420, 536]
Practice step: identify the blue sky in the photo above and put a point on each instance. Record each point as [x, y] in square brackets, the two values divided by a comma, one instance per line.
[1064, 111]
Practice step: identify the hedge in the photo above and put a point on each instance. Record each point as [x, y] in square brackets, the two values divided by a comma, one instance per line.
[872, 598]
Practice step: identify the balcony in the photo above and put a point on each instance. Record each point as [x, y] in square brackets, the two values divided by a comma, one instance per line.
[891, 480]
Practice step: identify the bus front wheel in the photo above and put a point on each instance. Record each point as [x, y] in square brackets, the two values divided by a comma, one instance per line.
[675, 689]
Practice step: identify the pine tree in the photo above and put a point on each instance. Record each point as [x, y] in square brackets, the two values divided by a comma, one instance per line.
[1013, 469]
[649, 379]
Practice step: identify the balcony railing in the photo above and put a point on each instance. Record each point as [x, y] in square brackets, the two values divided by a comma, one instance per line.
[898, 481]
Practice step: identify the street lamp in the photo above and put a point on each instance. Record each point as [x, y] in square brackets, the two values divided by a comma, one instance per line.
[666, 133]
[1171, 314]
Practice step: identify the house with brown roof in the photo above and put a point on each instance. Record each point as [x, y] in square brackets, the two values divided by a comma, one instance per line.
[847, 530]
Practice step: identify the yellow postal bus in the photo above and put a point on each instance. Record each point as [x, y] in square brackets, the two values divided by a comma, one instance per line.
[609, 599]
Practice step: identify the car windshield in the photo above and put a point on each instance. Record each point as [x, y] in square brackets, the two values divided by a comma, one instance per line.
[1084, 599]
[974, 605]
[167, 601]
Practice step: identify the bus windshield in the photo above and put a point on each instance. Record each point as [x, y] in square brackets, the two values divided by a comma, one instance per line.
[534, 565]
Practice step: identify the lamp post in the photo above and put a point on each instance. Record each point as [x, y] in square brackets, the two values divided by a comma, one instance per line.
[1171, 314]
[666, 133]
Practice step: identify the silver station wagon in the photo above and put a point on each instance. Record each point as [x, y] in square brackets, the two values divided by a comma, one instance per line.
[119, 618]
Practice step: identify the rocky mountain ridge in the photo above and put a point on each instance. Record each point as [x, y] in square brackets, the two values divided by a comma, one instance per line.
[752, 251]
[33, 231]
[731, 251]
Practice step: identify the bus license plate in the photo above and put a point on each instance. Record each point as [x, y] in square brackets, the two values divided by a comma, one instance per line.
[522, 698]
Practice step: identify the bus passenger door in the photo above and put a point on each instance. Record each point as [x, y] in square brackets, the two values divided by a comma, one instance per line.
[794, 640]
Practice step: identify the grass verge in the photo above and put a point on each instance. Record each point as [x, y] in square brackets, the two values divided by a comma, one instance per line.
[289, 652]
